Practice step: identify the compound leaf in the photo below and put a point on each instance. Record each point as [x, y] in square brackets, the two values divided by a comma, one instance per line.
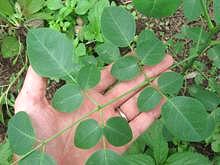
[125, 68]
[157, 8]
[21, 134]
[148, 99]
[88, 134]
[192, 9]
[37, 158]
[217, 11]
[68, 98]
[139, 159]
[50, 52]
[105, 157]
[150, 49]
[187, 158]
[108, 52]
[30, 7]
[170, 82]
[186, 118]
[214, 55]
[89, 76]
[117, 131]
[118, 26]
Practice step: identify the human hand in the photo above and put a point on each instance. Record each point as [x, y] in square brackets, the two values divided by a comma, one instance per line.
[47, 121]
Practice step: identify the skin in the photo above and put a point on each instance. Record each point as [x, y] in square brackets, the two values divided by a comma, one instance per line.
[47, 121]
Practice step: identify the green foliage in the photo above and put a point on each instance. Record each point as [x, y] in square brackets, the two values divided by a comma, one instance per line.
[68, 98]
[88, 134]
[54, 4]
[148, 99]
[21, 134]
[187, 158]
[102, 157]
[214, 55]
[6, 153]
[188, 125]
[157, 8]
[192, 9]
[5, 8]
[118, 26]
[170, 82]
[150, 49]
[44, 48]
[216, 11]
[30, 7]
[38, 158]
[10, 47]
[117, 131]
[139, 159]
[125, 68]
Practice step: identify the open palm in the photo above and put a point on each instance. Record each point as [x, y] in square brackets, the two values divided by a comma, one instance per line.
[47, 121]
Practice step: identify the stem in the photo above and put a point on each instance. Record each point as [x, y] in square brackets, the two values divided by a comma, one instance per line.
[206, 14]
[98, 108]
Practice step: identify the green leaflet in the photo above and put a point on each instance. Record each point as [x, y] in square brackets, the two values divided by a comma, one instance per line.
[170, 82]
[117, 131]
[30, 7]
[108, 52]
[68, 98]
[192, 9]
[10, 47]
[54, 4]
[187, 158]
[50, 52]
[186, 118]
[150, 49]
[217, 11]
[21, 134]
[208, 98]
[156, 142]
[106, 157]
[37, 158]
[6, 8]
[6, 153]
[118, 26]
[88, 134]
[139, 159]
[89, 76]
[148, 99]
[157, 8]
[125, 68]
[214, 55]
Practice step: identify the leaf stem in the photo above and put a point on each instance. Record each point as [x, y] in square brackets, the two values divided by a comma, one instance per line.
[206, 15]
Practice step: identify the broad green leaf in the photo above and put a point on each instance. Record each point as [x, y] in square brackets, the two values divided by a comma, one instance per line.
[117, 131]
[10, 47]
[68, 98]
[80, 50]
[88, 134]
[170, 82]
[6, 153]
[192, 9]
[186, 118]
[83, 6]
[217, 11]
[156, 142]
[148, 99]
[187, 158]
[118, 26]
[50, 52]
[30, 7]
[157, 8]
[125, 68]
[150, 49]
[216, 115]
[108, 52]
[6, 8]
[214, 55]
[21, 134]
[106, 157]
[38, 158]
[139, 159]
[208, 98]
[89, 76]
[54, 4]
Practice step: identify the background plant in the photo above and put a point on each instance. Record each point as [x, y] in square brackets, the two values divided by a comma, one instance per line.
[190, 114]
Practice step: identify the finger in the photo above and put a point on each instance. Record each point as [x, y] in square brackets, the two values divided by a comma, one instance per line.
[106, 79]
[149, 71]
[34, 87]
[140, 123]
